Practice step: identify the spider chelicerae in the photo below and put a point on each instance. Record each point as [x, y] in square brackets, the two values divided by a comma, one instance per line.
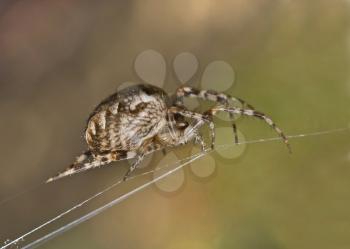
[141, 119]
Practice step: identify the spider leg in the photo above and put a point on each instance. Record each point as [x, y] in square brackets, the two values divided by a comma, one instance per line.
[245, 105]
[134, 166]
[200, 118]
[73, 167]
[149, 146]
[234, 127]
[253, 113]
[192, 132]
[211, 95]
[88, 160]
[199, 140]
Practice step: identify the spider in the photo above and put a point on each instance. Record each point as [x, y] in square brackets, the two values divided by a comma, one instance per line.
[141, 119]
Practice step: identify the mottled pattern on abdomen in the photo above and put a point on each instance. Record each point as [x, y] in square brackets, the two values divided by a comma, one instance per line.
[125, 125]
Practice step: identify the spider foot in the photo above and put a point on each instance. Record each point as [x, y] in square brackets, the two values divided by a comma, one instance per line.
[126, 176]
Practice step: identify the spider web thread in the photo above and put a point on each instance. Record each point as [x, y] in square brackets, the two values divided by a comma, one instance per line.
[180, 164]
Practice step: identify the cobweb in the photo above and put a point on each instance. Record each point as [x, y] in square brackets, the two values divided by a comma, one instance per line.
[168, 170]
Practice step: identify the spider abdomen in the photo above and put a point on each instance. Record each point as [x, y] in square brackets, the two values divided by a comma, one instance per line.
[125, 120]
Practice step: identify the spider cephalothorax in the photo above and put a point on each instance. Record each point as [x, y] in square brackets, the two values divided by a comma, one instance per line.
[141, 119]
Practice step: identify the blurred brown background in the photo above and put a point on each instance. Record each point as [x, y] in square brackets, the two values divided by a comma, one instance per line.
[291, 57]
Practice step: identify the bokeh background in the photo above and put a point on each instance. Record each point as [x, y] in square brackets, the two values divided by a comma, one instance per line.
[291, 59]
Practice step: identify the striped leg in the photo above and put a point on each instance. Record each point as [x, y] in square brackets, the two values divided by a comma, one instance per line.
[220, 98]
[211, 95]
[88, 161]
[199, 140]
[76, 166]
[253, 113]
[134, 166]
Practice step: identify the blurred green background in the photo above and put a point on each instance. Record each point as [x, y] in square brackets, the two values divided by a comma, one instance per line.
[291, 59]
